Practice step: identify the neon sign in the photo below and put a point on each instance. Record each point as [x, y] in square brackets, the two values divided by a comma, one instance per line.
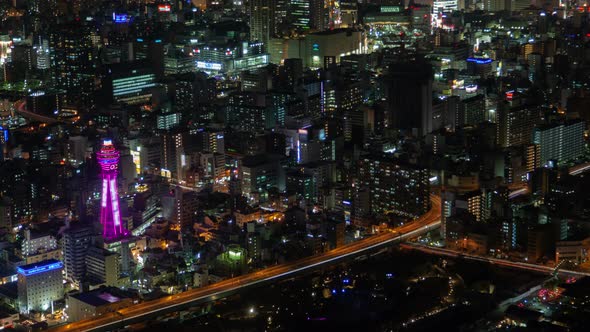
[164, 8]
[480, 61]
[35, 269]
[120, 18]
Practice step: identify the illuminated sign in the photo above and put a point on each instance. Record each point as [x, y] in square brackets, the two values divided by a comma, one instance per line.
[209, 65]
[480, 61]
[136, 155]
[120, 18]
[391, 9]
[28, 270]
[471, 88]
[5, 131]
[509, 95]
[164, 8]
[315, 47]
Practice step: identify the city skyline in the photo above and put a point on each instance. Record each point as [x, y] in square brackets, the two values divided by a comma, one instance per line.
[278, 165]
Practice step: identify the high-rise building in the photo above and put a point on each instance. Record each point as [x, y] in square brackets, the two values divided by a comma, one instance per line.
[300, 13]
[171, 152]
[110, 215]
[395, 186]
[260, 173]
[211, 140]
[167, 120]
[515, 125]
[74, 64]
[193, 90]
[76, 241]
[260, 12]
[408, 88]
[472, 112]
[128, 84]
[319, 14]
[39, 284]
[43, 55]
[301, 184]
[560, 141]
[442, 6]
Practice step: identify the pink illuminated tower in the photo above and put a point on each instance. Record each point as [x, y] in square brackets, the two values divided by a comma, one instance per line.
[110, 216]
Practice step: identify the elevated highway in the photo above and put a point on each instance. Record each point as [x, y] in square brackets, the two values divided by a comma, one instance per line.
[151, 309]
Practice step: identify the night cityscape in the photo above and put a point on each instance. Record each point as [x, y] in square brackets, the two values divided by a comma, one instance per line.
[294, 165]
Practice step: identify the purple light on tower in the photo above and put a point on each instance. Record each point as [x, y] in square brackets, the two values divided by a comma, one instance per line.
[110, 216]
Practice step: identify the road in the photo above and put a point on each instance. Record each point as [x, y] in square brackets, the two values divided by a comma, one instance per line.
[145, 310]
[579, 169]
[21, 108]
[522, 189]
[496, 261]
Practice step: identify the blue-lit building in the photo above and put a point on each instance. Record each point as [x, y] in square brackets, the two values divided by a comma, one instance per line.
[482, 67]
[39, 284]
[130, 84]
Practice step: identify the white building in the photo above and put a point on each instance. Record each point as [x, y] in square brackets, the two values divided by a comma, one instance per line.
[561, 141]
[34, 242]
[39, 284]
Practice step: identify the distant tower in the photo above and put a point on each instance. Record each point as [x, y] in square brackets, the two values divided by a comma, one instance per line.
[110, 216]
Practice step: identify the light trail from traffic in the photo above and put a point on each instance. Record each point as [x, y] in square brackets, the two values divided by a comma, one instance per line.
[143, 311]
[491, 260]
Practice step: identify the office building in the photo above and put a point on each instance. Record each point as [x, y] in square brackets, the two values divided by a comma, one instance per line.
[193, 90]
[211, 140]
[300, 13]
[171, 152]
[260, 173]
[260, 13]
[102, 267]
[76, 241]
[74, 63]
[130, 84]
[301, 184]
[167, 120]
[408, 89]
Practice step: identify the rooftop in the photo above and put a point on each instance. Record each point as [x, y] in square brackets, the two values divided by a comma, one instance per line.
[44, 266]
[100, 297]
